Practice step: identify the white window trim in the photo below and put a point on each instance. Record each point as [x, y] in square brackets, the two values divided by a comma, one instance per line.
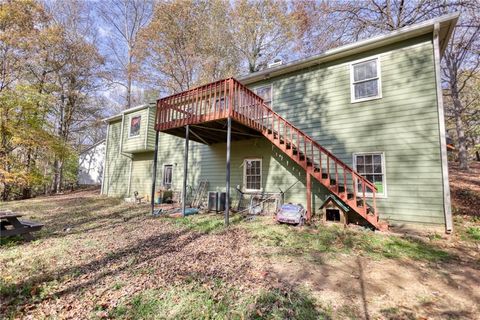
[130, 126]
[245, 175]
[271, 92]
[163, 175]
[384, 171]
[379, 77]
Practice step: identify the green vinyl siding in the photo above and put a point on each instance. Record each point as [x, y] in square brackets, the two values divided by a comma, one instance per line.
[151, 128]
[141, 179]
[145, 141]
[403, 124]
[117, 166]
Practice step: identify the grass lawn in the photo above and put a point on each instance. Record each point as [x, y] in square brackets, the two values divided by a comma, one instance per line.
[100, 258]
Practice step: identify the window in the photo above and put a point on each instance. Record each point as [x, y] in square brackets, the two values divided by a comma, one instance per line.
[135, 126]
[167, 175]
[252, 174]
[365, 80]
[265, 93]
[372, 167]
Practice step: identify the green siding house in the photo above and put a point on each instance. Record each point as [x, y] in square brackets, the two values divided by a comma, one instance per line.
[376, 105]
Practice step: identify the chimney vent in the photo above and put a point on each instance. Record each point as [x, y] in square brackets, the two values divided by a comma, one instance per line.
[275, 63]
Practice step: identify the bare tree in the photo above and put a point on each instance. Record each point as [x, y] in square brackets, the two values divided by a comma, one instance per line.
[261, 31]
[365, 18]
[124, 19]
[77, 81]
[186, 44]
[461, 71]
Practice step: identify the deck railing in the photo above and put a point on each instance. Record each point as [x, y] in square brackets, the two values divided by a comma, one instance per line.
[229, 98]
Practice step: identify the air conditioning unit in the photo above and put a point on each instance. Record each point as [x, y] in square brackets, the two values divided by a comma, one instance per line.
[216, 201]
[221, 201]
[212, 201]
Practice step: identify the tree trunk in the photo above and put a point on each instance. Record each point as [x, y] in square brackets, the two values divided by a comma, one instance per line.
[58, 176]
[129, 89]
[5, 192]
[55, 176]
[461, 139]
[27, 190]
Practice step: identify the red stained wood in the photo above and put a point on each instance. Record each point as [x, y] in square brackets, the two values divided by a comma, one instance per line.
[199, 105]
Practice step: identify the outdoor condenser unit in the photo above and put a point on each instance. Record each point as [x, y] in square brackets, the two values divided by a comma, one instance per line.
[221, 201]
[216, 201]
[213, 201]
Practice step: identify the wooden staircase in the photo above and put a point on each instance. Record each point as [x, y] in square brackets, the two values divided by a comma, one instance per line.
[229, 98]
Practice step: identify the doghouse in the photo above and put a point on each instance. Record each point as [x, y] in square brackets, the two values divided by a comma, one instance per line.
[334, 210]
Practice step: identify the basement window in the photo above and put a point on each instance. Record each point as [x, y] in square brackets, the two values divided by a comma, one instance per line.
[135, 126]
[252, 174]
[365, 80]
[372, 167]
[167, 176]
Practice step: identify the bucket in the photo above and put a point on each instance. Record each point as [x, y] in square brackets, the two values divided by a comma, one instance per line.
[158, 197]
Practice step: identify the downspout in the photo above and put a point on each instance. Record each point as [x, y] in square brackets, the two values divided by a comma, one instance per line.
[105, 161]
[146, 128]
[126, 155]
[447, 206]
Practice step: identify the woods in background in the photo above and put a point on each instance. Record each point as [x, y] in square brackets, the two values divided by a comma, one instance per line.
[68, 64]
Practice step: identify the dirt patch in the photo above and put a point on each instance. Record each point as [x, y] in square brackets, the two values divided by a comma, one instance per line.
[360, 288]
[98, 257]
[465, 189]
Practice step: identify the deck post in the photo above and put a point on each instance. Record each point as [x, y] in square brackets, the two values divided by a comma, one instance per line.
[154, 178]
[185, 171]
[227, 188]
[309, 196]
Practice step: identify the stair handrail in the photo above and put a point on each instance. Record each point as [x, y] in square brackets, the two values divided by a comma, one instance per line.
[163, 106]
[320, 147]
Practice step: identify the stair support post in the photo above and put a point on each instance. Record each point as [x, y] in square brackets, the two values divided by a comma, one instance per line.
[185, 171]
[227, 187]
[154, 178]
[309, 196]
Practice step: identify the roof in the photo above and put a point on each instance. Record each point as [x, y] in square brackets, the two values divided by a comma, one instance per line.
[90, 147]
[133, 109]
[337, 201]
[446, 24]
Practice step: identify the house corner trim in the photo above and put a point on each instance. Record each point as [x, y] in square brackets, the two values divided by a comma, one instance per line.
[447, 206]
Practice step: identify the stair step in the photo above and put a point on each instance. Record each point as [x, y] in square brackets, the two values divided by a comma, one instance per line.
[326, 177]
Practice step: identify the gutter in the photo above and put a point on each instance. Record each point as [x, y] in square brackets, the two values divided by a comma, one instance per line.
[118, 116]
[356, 47]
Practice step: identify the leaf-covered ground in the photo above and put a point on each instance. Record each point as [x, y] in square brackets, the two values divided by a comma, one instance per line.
[100, 258]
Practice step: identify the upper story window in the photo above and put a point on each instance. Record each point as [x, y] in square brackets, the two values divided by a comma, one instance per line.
[265, 92]
[135, 126]
[252, 174]
[372, 167]
[365, 80]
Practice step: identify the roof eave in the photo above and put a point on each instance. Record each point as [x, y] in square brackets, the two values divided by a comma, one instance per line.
[446, 22]
[119, 116]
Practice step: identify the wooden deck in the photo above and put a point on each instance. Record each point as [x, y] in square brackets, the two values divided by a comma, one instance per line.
[206, 109]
